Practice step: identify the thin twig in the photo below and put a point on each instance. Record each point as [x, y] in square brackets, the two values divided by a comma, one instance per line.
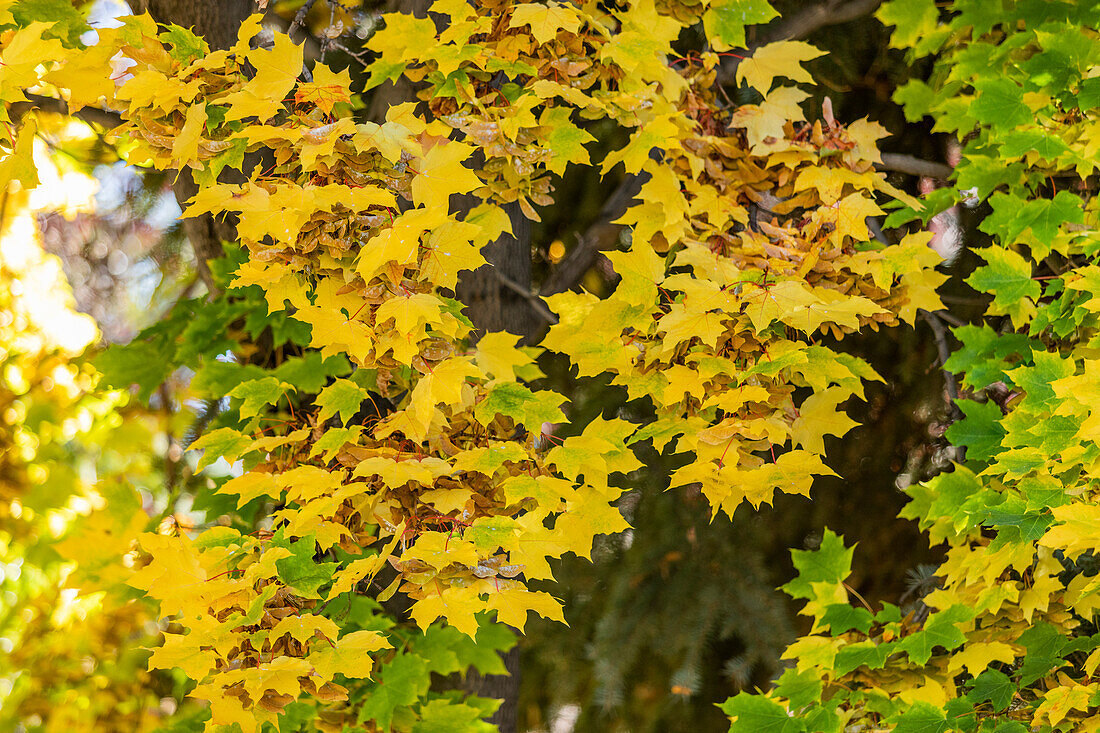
[533, 299]
[300, 17]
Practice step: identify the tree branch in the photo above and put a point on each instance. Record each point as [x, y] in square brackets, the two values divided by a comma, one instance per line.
[601, 235]
[914, 166]
[939, 331]
[810, 19]
[91, 115]
[802, 24]
[533, 299]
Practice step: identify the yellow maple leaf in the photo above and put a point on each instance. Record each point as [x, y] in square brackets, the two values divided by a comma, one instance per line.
[443, 384]
[545, 20]
[498, 356]
[977, 655]
[456, 605]
[185, 147]
[183, 651]
[512, 605]
[304, 626]
[349, 657]
[251, 486]
[440, 173]
[1079, 529]
[850, 217]
[327, 89]
[400, 241]
[783, 58]
[764, 123]
[279, 675]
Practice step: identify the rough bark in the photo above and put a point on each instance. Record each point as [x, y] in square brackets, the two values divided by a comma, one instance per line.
[215, 20]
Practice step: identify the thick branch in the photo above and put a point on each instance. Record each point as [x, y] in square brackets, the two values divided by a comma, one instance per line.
[939, 331]
[601, 236]
[530, 297]
[810, 19]
[914, 166]
[801, 25]
[91, 115]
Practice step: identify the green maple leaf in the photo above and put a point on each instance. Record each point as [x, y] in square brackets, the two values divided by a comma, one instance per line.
[514, 400]
[1045, 217]
[916, 99]
[724, 22]
[490, 533]
[758, 714]
[186, 46]
[564, 139]
[301, 571]
[1000, 102]
[1020, 142]
[923, 718]
[256, 394]
[862, 654]
[985, 355]
[842, 617]
[401, 683]
[224, 443]
[984, 173]
[981, 431]
[911, 18]
[342, 396]
[994, 687]
[1035, 380]
[334, 439]
[448, 716]
[143, 363]
[800, 688]
[831, 562]
[1008, 278]
[309, 372]
[940, 630]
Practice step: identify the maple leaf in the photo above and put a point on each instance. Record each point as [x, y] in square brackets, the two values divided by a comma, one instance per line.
[251, 486]
[277, 70]
[457, 605]
[725, 21]
[350, 656]
[783, 58]
[341, 396]
[327, 89]
[440, 173]
[498, 356]
[303, 627]
[183, 651]
[545, 20]
[512, 606]
[818, 416]
[185, 147]
[256, 394]
[764, 123]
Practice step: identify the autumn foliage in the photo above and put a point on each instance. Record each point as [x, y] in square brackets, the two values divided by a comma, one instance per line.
[383, 449]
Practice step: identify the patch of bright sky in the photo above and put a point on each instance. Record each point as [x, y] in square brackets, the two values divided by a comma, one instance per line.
[39, 286]
[104, 14]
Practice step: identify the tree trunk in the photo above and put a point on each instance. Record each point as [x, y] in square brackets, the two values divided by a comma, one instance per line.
[217, 21]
